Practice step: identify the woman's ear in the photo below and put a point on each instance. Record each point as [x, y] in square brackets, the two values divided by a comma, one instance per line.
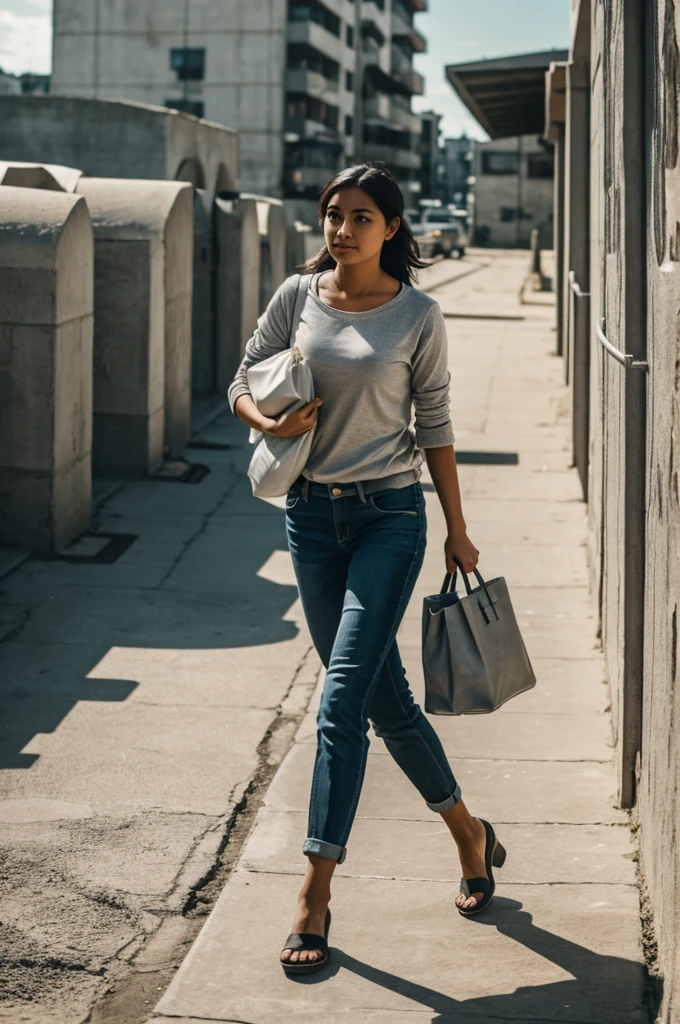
[392, 228]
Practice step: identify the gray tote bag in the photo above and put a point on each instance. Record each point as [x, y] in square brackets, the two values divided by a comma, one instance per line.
[474, 658]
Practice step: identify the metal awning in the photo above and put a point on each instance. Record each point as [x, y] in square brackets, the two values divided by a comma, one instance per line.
[506, 95]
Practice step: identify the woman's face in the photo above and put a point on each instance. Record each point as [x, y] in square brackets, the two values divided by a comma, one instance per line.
[354, 228]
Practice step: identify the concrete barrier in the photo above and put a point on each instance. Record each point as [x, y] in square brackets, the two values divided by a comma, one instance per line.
[52, 177]
[142, 344]
[271, 219]
[46, 306]
[203, 368]
[296, 246]
[237, 283]
[118, 138]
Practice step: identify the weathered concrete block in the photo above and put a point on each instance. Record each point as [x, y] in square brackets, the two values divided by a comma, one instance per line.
[203, 306]
[52, 177]
[142, 347]
[179, 276]
[238, 284]
[296, 246]
[46, 307]
[271, 220]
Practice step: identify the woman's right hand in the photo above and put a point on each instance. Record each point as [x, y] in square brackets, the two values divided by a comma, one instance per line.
[292, 424]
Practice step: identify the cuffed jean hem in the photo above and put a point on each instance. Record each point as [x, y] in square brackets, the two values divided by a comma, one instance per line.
[447, 804]
[321, 849]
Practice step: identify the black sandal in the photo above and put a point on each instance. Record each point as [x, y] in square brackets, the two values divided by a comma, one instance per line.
[306, 940]
[494, 856]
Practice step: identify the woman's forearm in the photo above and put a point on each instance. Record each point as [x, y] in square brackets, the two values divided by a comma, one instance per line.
[441, 463]
[248, 413]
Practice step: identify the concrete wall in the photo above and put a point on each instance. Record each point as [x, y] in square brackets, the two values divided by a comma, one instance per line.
[46, 306]
[117, 139]
[633, 53]
[497, 192]
[659, 789]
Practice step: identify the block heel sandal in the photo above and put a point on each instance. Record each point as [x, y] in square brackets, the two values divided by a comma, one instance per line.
[494, 857]
[306, 940]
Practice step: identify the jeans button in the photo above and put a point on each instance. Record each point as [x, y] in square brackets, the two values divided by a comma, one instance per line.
[336, 492]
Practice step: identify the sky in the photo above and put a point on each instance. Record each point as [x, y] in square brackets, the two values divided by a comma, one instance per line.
[457, 31]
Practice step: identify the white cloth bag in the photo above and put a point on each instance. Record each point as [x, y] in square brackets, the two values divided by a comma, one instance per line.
[281, 383]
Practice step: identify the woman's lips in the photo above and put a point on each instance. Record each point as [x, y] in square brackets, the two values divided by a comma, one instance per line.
[341, 245]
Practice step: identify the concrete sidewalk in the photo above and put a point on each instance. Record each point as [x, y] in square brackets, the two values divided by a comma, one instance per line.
[561, 942]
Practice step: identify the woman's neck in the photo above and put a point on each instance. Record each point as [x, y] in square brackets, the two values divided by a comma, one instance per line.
[361, 279]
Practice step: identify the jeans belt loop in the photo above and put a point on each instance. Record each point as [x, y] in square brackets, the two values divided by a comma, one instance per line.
[360, 490]
[305, 489]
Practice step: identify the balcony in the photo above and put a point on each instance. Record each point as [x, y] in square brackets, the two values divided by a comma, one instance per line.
[410, 81]
[301, 80]
[377, 108]
[403, 29]
[403, 118]
[311, 34]
[373, 21]
[394, 157]
[309, 164]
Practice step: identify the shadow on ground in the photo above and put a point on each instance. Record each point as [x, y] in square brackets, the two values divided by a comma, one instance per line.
[604, 989]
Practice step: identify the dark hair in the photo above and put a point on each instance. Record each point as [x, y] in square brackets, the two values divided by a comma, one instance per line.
[400, 256]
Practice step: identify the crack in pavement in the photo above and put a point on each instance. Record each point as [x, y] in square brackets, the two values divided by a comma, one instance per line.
[130, 992]
[187, 544]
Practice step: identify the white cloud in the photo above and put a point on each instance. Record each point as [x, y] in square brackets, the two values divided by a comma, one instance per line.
[26, 41]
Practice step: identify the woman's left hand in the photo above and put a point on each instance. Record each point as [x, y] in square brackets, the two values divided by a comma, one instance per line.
[460, 553]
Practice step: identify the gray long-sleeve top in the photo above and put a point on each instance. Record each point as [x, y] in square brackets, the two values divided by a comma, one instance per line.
[370, 369]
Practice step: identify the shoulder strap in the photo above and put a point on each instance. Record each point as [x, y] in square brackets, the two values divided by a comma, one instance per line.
[300, 298]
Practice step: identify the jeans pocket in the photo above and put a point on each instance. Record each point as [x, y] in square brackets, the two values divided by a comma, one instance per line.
[398, 501]
[292, 499]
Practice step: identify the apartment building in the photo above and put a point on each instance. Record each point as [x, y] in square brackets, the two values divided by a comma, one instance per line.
[310, 85]
[391, 130]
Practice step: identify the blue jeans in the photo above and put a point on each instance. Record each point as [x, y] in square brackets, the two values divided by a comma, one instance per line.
[356, 559]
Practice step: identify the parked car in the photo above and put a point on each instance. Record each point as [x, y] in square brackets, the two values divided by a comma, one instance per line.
[442, 232]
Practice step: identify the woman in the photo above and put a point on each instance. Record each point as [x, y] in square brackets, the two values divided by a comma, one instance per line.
[356, 524]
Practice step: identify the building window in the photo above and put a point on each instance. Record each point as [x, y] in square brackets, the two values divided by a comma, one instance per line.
[186, 106]
[350, 37]
[188, 62]
[316, 12]
[511, 213]
[349, 81]
[542, 165]
[499, 162]
[349, 125]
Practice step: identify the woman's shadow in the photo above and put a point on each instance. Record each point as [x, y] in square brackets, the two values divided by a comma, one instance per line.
[603, 989]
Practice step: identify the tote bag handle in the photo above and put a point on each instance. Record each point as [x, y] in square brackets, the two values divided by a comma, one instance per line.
[449, 585]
